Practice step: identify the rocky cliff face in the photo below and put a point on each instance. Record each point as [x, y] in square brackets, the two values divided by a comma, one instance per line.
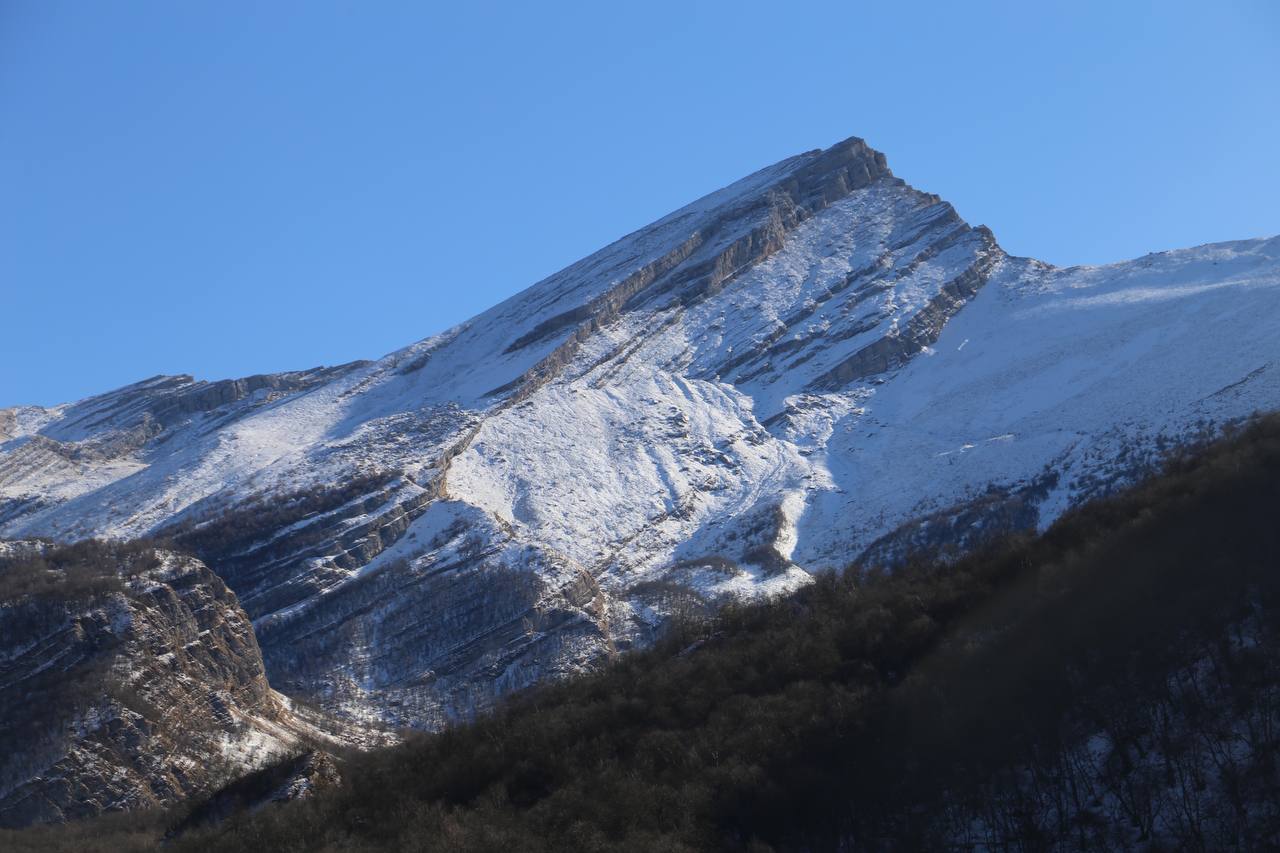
[815, 363]
[129, 678]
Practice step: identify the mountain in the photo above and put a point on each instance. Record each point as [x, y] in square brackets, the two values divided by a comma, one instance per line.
[815, 364]
[1110, 684]
[129, 678]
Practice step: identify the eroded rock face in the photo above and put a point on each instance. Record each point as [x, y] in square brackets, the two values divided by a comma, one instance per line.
[129, 678]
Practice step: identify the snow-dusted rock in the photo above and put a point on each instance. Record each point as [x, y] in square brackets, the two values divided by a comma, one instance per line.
[815, 363]
[129, 678]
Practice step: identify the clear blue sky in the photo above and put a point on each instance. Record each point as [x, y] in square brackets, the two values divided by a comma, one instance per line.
[231, 188]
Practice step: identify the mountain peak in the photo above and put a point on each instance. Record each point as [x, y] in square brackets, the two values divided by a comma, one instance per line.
[814, 363]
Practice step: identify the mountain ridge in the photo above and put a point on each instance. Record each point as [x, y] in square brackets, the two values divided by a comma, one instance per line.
[816, 362]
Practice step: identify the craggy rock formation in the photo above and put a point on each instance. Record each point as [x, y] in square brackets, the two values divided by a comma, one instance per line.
[129, 678]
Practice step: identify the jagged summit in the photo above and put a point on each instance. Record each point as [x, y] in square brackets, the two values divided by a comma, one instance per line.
[813, 363]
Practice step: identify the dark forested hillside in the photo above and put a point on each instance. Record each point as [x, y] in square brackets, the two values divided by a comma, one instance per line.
[1111, 684]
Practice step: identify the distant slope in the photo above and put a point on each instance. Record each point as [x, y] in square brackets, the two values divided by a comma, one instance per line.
[814, 363]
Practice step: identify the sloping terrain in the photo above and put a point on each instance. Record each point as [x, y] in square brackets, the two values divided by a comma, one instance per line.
[129, 678]
[1110, 684]
[816, 363]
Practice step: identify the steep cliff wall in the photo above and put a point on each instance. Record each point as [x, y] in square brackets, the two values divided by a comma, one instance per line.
[129, 678]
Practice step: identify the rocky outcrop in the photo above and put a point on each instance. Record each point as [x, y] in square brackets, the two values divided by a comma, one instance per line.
[168, 400]
[898, 347]
[296, 777]
[729, 243]
[129, 678]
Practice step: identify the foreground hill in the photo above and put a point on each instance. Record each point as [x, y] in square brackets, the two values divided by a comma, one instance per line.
[1111, 684]
[814, 363]
[129, 679]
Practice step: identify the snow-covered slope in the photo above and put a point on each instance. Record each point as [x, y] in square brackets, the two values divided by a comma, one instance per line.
[812, 364]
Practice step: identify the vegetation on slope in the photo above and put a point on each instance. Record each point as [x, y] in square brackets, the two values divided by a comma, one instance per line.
[218, 537]
[129, 678]
[78, 572]
[1114, 683]
[40, 589]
